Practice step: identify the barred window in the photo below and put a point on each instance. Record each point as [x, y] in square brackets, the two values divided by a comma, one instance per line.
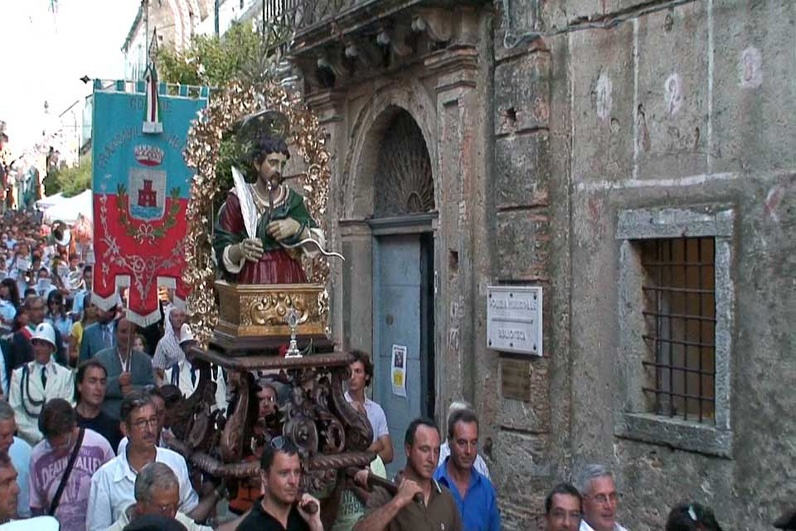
[678, 288]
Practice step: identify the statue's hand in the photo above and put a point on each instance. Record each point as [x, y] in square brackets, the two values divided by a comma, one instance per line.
[281, 229]
[251, 250]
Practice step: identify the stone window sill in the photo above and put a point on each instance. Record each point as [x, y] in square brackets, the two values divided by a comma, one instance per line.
[675, 433]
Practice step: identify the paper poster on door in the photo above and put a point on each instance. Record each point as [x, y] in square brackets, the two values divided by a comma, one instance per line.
[398, 370]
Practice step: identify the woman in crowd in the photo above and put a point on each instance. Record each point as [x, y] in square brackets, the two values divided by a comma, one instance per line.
[140, 343]
[21, 320]
[76, 334]
[168, 351]
[58, 316]
[9, 302]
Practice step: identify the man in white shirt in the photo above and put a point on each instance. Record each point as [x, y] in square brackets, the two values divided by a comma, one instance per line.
[38, 381]
[113, 485]
[361, 376]
[157, 492]
[185, 374]
[600, 499]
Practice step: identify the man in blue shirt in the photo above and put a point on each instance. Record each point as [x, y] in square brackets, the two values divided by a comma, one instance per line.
[100, 335]
[472, 491]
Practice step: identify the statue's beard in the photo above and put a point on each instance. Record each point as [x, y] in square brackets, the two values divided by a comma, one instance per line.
[274, 181]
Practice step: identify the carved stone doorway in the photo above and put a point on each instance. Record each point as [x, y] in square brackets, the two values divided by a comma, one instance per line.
[403, 276]
[403, 184]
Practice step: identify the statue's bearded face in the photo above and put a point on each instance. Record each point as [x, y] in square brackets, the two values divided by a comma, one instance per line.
[272, 168]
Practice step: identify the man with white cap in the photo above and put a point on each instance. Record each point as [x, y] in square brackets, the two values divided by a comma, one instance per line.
[185, 374]
[38, 381]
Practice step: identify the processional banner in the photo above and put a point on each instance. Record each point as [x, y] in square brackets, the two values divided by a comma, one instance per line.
[141, 188]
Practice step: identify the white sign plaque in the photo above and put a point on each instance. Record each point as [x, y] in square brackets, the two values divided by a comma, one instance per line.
[514, 319]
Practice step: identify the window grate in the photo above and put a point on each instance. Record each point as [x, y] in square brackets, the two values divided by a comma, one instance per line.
[680, 316]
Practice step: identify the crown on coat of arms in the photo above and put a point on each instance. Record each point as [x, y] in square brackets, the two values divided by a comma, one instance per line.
[148, 155]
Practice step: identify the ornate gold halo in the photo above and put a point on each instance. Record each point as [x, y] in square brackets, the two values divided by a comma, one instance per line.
[227, 107]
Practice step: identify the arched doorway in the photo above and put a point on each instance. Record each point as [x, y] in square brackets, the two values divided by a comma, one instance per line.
[403, 274]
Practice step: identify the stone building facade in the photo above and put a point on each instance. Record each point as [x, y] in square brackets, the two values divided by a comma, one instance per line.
[636, 160]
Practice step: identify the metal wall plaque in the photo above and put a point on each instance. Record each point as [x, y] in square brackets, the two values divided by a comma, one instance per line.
[514, 319]
[516, 379]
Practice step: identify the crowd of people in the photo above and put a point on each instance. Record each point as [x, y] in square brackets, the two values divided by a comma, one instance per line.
[84, 437]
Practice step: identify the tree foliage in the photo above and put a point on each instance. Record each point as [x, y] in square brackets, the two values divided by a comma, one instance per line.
[241, 53]
[69, 181]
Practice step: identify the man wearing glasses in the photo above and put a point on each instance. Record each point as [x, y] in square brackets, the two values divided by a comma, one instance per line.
[157, 493]
[55, 488]
[562, 508]
[600, 499]
[282, 507]
[113, 485]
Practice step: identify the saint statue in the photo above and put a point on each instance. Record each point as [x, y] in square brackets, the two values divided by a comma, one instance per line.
[263, 227]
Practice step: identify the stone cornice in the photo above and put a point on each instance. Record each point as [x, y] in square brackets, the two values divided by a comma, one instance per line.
[362, 15]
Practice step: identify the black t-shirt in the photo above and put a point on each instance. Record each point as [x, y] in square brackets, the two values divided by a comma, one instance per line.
[105, 426]
[259, 520]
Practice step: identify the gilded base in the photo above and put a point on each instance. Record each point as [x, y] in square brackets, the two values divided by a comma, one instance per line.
[261, 310]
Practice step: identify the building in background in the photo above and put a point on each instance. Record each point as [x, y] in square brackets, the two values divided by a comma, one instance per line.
[177, 23]
[633, 160]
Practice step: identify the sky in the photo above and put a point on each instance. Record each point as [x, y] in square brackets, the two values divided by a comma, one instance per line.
[44, 54]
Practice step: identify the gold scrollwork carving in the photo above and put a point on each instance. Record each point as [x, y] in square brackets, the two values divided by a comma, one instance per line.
[273, 309]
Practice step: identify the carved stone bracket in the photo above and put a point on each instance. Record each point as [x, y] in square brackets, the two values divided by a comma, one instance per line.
[437, 23]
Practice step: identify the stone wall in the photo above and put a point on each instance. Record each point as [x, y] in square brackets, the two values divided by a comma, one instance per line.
[622, 106]
[559, 131]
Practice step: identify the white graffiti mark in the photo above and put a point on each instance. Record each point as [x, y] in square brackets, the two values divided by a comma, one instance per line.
[457, 308]
[750, 68]
[673, 94]
[453, 339]
[603, 96]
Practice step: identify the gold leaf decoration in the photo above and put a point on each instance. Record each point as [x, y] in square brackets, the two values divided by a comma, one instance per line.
[227, 106]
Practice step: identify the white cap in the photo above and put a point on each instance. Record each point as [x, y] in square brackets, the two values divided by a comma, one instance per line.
[45, 332]
[185, 333]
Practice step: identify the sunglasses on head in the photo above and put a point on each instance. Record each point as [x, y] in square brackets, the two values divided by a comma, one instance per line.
[278, 443]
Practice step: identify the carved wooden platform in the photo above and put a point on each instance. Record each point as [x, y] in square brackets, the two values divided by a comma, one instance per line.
[329, 433]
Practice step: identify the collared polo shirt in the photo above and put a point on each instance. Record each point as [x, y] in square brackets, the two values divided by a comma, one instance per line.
[260, 520]
[112, 488]
[586, 527]
[441, 513]
[478, 509]
[480, 464]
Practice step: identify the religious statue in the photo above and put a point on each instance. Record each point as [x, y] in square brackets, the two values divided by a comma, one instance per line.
[263, 227]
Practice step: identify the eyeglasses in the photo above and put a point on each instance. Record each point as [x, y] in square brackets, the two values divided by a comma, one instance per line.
[142, 423]
[561, 514]
[277, 443]
[602, 499]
